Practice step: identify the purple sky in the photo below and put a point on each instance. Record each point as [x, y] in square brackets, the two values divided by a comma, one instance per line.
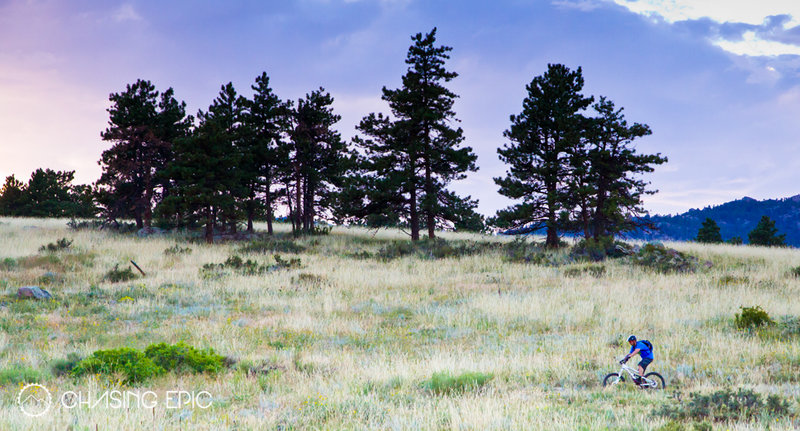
[719, 86]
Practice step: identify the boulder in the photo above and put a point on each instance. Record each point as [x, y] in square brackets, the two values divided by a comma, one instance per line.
[34, 292]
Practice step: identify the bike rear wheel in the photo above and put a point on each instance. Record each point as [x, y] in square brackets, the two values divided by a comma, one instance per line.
[660, 384]
[611, 379]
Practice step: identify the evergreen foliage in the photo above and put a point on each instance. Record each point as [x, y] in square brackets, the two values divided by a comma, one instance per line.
[143, 125]
[765, 233]
[414, 154]
[542, 137]
[709, 232]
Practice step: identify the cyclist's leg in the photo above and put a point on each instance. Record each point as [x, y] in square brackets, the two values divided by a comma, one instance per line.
[643, 366]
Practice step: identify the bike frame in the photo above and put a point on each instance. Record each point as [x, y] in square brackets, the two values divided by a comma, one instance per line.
[633, 373]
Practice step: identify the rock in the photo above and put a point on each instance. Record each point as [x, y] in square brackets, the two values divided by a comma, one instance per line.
[33, 292]
[149, 231]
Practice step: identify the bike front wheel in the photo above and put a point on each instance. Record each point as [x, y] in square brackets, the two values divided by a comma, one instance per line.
[612, 379]
[660, 384]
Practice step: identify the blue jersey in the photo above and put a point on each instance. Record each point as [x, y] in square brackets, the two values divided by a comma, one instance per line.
[644, 352]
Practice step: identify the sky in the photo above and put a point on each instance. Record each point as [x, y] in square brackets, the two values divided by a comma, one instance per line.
[717, 81]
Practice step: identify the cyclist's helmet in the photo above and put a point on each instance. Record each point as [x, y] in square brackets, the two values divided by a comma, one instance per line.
[631, 338]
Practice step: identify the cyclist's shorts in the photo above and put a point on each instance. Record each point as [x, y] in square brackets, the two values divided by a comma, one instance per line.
[644, 363]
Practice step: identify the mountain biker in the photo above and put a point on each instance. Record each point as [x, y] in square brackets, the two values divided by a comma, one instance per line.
[645, 351]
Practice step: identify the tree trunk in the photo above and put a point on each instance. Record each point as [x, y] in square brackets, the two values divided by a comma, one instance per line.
[269, 209]
[209, 226]
[412, 203]
[430, 201]
[251, 210]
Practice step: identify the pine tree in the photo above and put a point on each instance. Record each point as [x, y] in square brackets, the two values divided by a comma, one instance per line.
[542, 137]
[413, 156]
[318, 161]
[143, 125]
[765, 233]
[615, 170]
[226, 113]
[11, 196]
[709, 232]
[265, 122]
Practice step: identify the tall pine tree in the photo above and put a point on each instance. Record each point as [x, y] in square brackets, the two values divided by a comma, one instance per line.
[615, 170]
[414, 155]
[318, 161]
[143, 124]
[265, 122]
[542, 137]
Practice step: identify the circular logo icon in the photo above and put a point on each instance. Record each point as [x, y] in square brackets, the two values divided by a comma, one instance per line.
[34, 400]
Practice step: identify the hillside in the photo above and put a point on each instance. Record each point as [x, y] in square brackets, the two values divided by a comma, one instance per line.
[735, 218]
[362, 330]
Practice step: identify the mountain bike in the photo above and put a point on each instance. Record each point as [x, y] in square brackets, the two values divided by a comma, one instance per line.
[650, 380]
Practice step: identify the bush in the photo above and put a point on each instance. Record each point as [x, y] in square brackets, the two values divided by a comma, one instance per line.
[735, 240]
[795, 272]
[62, 244]
[597, 250]
[176, 250]
[272, 245]
[445, 384]
[181, 358]
[436, 248]
[132, 363]
[116, 275]
[281, 263]
[16, 374]
[157, 359]
[725, 405]
[752, 317]
[63, 367]
[8, 264]
[679, 426]
[663, 259]
[237, 264]
[593, 270]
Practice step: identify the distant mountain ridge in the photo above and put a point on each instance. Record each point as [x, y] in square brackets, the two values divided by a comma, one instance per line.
[735, 218]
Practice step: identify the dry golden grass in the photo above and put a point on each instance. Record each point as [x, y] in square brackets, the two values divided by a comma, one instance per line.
[352, 342]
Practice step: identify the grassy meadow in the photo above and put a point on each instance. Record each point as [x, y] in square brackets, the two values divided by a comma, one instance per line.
[351, 341]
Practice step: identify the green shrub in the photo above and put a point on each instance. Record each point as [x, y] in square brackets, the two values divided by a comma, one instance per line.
[116, 275]
[281, 263]
[61, 367]
[752, 317]
[664, 260]
[61, 244]
[735, 240]
[446, 384]
[177, 250]
[795, 272]
[132, 363]
[597, 250]
[181, 358]
[436, 248]
[157, 359]
[236, 264]
[16, 374]
[728, 280]
[680, 426]
[725, 405]
[8, 264]
[593, 270]
[272, 245]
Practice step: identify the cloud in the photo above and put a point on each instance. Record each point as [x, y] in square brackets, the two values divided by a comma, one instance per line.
[768, 28]
[581, 5]
[126, 12]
